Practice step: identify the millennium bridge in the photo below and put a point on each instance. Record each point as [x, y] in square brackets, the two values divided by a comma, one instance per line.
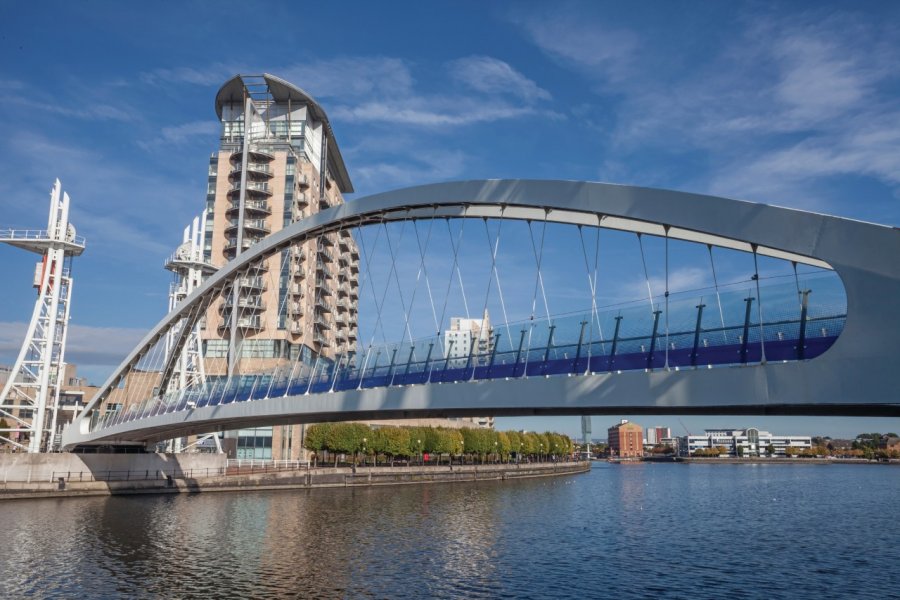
[791, 313]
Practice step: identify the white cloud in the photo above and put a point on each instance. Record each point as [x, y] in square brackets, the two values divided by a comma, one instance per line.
[493, 76]
[778, 109]
[428, 166]
[86, 345]
[567, 35]
[351, 77]
[180, 134]
[433, 112]
[215, 74]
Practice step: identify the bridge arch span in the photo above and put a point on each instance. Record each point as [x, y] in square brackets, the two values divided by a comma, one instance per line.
[853, 377]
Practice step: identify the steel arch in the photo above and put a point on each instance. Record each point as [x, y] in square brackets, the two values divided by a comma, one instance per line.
[855, 372]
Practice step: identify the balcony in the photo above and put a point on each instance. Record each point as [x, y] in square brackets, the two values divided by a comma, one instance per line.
[255, 171]
[254, 190]
[342, 305]
[301, 200]
[302, 180]
[297, 290]
[341, 320]
[252, 283]
[322, 323]
[249, 322]
[257, 226]
[232, 244]
[252, 208]
[322, 306]
[324, 254]
[253, 322]
[251, 303]
[299, 274]
[295, 309]
[296, 328]
[257, 156]
[320, 338]
[322, 268]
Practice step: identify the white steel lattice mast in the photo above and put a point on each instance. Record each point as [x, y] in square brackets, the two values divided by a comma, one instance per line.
[29, 401]
[190, 267]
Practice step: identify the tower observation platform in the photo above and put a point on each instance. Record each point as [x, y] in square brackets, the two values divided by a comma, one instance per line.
[29, 400]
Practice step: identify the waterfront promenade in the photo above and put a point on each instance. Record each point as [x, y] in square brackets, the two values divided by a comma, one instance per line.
[72, 475]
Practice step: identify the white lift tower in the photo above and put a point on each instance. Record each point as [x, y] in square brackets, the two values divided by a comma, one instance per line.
[29, 401]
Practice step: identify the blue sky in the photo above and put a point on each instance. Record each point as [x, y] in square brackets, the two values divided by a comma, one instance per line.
[792, 105]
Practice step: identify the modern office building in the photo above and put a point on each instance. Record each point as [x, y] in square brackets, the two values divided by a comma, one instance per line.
[626, 440]
[743, 442]
[656, 434]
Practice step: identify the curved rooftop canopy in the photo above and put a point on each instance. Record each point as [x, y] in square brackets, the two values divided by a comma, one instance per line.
[236, 89]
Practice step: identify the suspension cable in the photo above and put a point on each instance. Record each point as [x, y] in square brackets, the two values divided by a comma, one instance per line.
[718, 296]
[646, 273]
[494, 246]
[762, 341]
[455, 250]
[425, 266]
[666, 229]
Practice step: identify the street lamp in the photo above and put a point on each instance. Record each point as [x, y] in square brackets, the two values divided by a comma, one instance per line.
[495, 448]
[364, 451]
[421, 458]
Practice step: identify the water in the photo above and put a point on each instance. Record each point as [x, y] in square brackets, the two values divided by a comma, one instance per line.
[627, 531]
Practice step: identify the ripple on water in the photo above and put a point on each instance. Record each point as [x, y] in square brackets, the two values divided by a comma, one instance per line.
[636, 531]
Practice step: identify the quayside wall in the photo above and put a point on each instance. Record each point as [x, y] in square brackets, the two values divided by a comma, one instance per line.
[71, 475]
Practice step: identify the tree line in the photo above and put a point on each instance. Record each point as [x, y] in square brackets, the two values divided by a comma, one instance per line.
[391, 443]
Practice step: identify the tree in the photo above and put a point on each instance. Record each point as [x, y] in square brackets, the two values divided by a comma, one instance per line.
[391, 441]
[770, 450]
[503, 445]
[345, 438]
[315, 439]
[515, 442]
[442, 443]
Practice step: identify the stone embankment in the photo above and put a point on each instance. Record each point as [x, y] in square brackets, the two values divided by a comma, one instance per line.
[72, 475]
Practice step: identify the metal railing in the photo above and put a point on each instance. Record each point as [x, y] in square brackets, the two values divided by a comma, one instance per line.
[37, 235]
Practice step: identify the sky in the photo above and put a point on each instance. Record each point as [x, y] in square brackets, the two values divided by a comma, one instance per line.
[788, 104]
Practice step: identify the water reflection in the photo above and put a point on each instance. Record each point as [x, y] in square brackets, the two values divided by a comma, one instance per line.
[631, 531]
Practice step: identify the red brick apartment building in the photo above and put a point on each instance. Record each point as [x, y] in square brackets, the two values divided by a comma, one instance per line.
[626, 440]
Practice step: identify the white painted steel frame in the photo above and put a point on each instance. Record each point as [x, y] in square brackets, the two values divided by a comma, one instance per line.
[35, 381]
[855, 376]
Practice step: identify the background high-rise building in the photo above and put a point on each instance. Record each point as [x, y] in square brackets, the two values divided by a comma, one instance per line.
[469, 342]
[295, 313]
[277, 163]
[656, 435]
